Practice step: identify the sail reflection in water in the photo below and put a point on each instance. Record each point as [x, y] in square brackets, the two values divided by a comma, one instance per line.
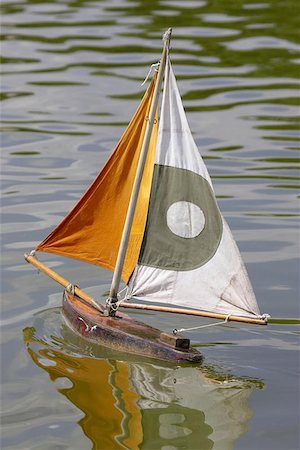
[130, 403]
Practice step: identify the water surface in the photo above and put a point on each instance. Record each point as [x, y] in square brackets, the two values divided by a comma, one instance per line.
[72, 74]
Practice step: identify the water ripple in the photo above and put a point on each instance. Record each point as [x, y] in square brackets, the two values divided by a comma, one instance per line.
[71, 80]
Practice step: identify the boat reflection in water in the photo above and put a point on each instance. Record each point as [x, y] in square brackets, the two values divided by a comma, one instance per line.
[130, 402]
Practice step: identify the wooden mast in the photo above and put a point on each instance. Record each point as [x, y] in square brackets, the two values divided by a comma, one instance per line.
[137, 182]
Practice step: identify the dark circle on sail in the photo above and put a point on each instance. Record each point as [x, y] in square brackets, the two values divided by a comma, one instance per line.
[161, 247]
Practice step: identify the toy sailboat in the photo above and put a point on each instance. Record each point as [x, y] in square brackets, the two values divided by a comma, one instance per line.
[151, 217]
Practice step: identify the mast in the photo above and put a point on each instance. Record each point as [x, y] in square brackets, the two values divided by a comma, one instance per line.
[137, 182]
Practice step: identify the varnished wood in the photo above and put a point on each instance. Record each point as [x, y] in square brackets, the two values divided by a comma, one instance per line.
[87, 298]
[192, 312]
[62, 281]
[123, 333]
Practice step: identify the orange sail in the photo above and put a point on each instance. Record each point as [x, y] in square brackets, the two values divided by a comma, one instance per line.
[92, 231]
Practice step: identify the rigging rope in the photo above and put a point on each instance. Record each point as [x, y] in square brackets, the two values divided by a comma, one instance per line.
[152, 67]
[175, 331]
[115, 305]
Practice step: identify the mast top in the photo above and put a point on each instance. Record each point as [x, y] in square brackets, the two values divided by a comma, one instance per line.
[167, 37]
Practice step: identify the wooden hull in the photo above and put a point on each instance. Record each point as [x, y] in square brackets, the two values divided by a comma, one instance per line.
[125, 334]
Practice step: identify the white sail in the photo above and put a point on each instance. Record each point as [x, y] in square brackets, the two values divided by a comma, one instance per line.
[188, 256]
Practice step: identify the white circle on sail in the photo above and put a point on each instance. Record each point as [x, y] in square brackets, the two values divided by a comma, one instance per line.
[185, 219]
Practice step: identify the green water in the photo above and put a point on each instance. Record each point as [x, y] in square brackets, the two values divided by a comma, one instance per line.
[71, 80]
